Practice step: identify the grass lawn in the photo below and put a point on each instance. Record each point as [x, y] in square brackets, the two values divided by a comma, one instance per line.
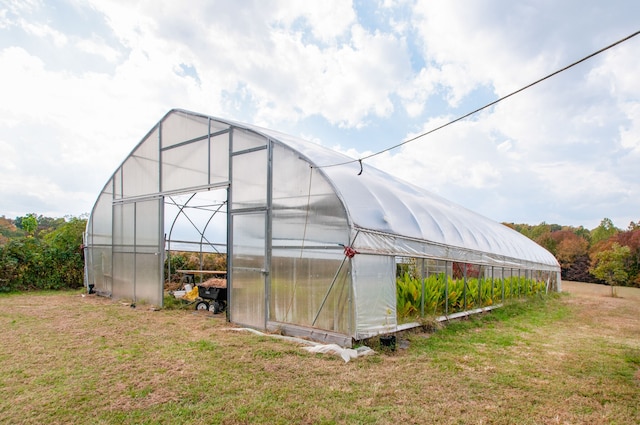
[69, 358]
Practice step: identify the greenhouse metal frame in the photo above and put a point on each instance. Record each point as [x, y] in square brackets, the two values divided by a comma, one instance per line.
[317, 245]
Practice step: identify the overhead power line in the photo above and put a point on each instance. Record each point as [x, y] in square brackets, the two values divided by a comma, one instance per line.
[475, 111]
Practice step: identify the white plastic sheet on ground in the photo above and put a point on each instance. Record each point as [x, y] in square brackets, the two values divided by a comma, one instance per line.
[346, 354]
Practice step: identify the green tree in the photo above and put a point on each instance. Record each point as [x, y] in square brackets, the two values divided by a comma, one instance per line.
[604, 231]
[29, 224]
[539, 231]
[610, 265]
[583, 233]
[51, 260]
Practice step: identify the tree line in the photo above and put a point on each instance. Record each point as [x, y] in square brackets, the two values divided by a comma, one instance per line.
[606, 254]
[38, 252]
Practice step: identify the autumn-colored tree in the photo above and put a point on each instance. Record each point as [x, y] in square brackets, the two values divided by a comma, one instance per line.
[570, 247]
[547, 241]
[7, 230]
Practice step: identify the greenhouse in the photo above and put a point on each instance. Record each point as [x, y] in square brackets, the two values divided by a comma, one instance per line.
[316, 244]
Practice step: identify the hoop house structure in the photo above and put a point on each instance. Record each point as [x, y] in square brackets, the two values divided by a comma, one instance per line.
[313, 248]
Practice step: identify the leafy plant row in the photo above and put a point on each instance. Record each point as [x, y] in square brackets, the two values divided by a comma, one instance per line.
[434, 295]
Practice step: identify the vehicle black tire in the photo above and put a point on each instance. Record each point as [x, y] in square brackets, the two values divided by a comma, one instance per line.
[202, 305]
[216, 307]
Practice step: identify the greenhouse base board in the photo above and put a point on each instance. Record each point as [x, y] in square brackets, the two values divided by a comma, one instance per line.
[318, 335]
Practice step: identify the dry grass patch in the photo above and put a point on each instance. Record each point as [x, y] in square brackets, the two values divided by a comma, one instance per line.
[66, 358]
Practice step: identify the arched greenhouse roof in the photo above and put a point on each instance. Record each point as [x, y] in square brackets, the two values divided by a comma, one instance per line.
[378, 202]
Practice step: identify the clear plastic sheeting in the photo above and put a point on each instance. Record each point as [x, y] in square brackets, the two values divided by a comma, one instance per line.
[139, 175]
[310, 281]
[374, 291]
[178, 127]
[248, 272]
[396, 245]
[249, 180]
[346, 354]
[185, 166]
[310, 291]
[379, 202]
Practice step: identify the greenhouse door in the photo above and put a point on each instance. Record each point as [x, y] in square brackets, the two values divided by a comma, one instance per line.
[248, 270]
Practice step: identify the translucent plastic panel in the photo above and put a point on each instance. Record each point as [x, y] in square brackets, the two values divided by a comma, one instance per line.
[179, 127]
[101, 223]
[220, 159]
[123, 226]
[295, 231]
[140, 171]
[185, 166]
[244, 139]
[99, 270]
[396, 245]
[248, 281]
[308, 210]
[247, 298]
[249, 181]
[148, 280]
[123, 275]
[117, 183]
[380, 202]
[375, 294]
[148, 226]
[311, 291]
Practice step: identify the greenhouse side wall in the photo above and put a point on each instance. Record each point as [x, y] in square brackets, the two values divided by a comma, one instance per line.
[399, 281]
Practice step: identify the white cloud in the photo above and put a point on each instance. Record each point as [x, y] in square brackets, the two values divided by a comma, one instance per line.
[9, 157]
[630, 134]
[97, 46]
[329, 20]
[44, 31]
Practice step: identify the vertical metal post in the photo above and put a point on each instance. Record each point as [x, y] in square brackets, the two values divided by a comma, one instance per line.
[268, 232]
[135, 251]
[480, 280]
[446, 288]
[502, 280]
[230, 231]
[162, 236]
[492, 282]
[424, 275]
[464, 285]
[161, 252]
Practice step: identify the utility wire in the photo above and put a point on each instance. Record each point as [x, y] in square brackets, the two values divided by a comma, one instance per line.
[485, 106]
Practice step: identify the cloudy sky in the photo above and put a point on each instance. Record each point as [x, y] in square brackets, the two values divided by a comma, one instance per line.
[81, 82]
